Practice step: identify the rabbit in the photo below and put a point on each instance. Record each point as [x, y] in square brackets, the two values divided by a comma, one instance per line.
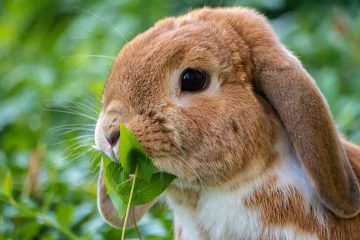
[216, 99]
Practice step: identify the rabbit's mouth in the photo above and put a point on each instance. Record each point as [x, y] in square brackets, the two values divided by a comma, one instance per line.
[103, 143]
[158, 140]
[112, 153]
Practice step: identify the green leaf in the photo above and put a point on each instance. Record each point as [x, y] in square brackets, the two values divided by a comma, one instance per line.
[64, 214]
[130, 150]
[119, 179]
[28, 230]
[7, 184]
[146, 168]
[113, 173]
[112, 177]
[95, 164]
[159, 182]
[144, 192]
[118, 203]
[48, 236]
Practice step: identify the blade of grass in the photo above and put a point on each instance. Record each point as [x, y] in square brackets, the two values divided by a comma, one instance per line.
[129, 204]
[135, 225]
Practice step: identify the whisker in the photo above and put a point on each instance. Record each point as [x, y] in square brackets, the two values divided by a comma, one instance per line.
[89, 55]
[79, 141]
[88, 136]
[77, 156]
[193, 171]
[97, 100]
[72, 125]
[105, 21]
[202, 183]
[95, 158]
[76, 124]
[88, 38]
[79, 145]
[83, 105]
[81, 154]
[90, 103]
[73, 128]
[73, 113]
[74, 147]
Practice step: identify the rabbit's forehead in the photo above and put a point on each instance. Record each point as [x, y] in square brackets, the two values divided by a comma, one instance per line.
[142, 70]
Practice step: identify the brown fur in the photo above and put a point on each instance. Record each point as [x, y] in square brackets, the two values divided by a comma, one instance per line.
[184, 197]
[279, 209]
[191, 124]
[303, 111]
[208, 138]
[282, 209]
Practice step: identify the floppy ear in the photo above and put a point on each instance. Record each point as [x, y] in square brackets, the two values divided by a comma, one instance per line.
[108, 211]
[105, 206]
[280, 77]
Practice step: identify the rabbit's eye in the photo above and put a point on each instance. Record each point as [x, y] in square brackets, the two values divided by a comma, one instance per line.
[193, 80]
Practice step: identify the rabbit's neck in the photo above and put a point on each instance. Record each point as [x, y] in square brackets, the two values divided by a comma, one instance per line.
[246, 211]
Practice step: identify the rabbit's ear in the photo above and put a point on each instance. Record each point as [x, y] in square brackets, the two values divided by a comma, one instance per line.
[109, 213]
[280, 77]
[105, 206]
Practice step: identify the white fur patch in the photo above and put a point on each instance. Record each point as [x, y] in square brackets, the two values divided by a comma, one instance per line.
[291, 174]
[224, 215]
[221, 213]
[290, 233]
[184, 217]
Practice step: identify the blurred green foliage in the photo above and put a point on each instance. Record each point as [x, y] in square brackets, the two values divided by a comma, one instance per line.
[55, 57]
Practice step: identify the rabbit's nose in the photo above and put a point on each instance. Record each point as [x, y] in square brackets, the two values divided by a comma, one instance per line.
[113, 136]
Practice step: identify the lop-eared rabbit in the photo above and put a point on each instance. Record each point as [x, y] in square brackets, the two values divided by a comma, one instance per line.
[218, 101]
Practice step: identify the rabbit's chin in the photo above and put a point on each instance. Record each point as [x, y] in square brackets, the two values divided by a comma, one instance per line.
[188, 184]
[186, 177]
[172, 167]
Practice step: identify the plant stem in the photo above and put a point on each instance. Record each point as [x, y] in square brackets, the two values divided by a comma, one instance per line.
[44, 219]
[135, 224]
[129, 204]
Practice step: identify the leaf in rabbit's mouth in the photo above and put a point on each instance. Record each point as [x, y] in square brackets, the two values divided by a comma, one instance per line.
[133, 181]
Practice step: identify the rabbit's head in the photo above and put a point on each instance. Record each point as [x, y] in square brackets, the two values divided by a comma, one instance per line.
[199, 92]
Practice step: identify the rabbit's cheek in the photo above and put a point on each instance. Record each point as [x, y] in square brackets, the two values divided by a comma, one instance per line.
[156, 139]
